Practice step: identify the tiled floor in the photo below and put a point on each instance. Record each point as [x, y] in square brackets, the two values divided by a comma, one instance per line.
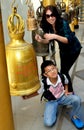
[28, 114]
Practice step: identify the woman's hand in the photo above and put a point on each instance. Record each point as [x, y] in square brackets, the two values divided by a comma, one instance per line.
[49, 36]
[41, 40]
[38, 38]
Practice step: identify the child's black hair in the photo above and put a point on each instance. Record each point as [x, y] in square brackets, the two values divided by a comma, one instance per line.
[45, 64]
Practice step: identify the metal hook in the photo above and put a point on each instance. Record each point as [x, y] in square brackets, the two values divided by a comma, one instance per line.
[13, 3]
[26, 2]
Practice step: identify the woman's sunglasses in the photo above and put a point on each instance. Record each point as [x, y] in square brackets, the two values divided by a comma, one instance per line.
[50, 15]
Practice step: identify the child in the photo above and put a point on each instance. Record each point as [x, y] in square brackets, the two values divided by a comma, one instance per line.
[55, 91]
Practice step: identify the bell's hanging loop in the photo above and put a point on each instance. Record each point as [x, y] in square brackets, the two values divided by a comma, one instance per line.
[15, 23]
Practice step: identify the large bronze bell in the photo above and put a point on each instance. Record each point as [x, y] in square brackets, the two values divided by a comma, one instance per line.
[40, 48]
[21, 60]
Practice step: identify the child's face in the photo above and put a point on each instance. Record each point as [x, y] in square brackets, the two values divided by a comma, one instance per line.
[51, 71]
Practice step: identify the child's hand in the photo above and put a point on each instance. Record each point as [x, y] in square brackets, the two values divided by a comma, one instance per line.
[68, 93]
[29, 96]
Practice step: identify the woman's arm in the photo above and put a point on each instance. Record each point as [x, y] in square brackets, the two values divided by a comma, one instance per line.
[56, 37]
[48, 37]
[65, 34]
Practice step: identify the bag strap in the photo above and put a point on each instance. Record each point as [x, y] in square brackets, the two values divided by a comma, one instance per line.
[62, 78]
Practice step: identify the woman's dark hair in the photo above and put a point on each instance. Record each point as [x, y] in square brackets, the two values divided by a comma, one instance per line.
[45, 64]
[45, 25]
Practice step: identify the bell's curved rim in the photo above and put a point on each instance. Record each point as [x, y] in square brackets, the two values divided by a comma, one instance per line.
[25, 92]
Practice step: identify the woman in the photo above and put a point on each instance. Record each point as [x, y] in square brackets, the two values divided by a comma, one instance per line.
[56, 28]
